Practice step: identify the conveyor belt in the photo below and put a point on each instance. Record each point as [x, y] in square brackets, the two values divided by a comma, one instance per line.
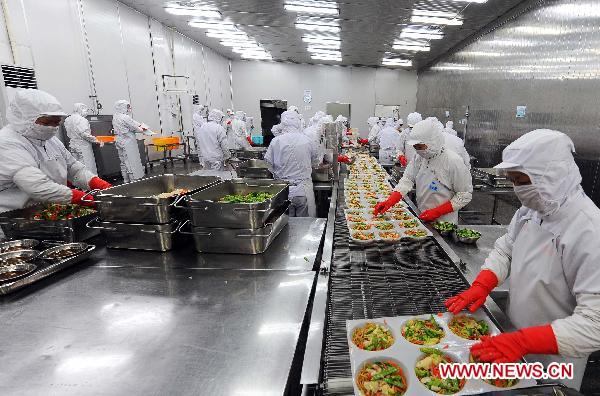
[409, 278]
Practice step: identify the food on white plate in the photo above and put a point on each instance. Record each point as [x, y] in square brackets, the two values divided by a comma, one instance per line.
[361, 226]
[381, 378]
[389, 235]
[415, 233]
[469, 328]
[428, 372]
[423, 331]
[363, 236]
[372, 337]
[497, 382]
[410, 224]
[355, 218]
[384, 226]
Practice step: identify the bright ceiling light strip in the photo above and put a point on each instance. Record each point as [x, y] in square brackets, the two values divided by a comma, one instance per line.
[215, 25]
[470, 1]
[436, 20]
[417, 48]
[418, 35]
[324, 51]
[329, 46]
[317, 21]
[190, 11]
[239, 43]
[439, 14]
[318, 28]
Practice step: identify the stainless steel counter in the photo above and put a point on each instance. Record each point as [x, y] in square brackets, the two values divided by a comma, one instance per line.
[141, 323]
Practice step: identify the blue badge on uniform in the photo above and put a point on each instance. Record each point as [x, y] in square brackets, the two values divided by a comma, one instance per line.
[433, 186]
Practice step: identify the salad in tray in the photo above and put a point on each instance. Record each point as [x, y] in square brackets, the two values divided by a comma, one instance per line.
[415, 233]
[381, 378]
[423, 331]
[372, 337]
[428, 373]
[254, 197]
[469, 328]
[57, 212]
[497, 382]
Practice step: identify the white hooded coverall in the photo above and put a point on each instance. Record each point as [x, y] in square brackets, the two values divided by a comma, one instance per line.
[389, 143]
[291, 157]
[35, 165]
[374, 130]
[81, 138]
[551, 258]
[406, 149]
[125, 129]
[239, 132]
[211, 142]
[438, 179]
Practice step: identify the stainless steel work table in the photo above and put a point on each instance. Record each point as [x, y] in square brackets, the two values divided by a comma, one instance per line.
[137, 323]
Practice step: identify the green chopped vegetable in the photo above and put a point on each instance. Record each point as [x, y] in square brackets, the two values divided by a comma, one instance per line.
[468, 233]
[56, 212]
[423, 332]
[255, 197]
[444, 226]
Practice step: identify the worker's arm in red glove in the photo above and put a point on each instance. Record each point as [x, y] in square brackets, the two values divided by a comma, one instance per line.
[475, 296]
[432, 214]
[344, 159]
[77, 195]
[386, 205]
[511, 347]
[363, 141]
[249, 139]
[98, 184]
[402, 160]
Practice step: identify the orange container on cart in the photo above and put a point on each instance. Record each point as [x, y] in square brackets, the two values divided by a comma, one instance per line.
[106, 139]
[166, 143]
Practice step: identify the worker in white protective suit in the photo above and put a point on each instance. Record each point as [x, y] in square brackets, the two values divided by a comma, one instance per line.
[406, 152]
[238, 126]
[211, 142]
[35, 165]
[374, 130]
[125, 129]
[454, 143]
[314, 132]
[199, 117]
[389, 142]
[549, 257]
[291, 157]
[450, 129]
[81, 138]
[297, 110]
[443, 182]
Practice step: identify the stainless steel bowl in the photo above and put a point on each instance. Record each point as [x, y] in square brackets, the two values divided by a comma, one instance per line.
[466, 240]
[20, 244]
[73, 249]
[15, 271]
[19, 257]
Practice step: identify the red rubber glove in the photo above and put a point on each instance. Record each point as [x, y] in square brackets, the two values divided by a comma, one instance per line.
[511, 347]
[432, 214]
[402, 160]
[344, 159]
[363, 141]
[249, 139]
[98, 184]
[392, 200]
[474, 296]
[76, 198]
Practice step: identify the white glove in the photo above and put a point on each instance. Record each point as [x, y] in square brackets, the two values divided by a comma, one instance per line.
[100, 143]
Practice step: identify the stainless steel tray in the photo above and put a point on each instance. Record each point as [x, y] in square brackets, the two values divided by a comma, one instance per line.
[137, 203]
[153, 237]
[19, 244]
[206, 211]
[254, 169]
[252, 153]
[323, 174]
[19, 224]
[44, 270]
[239, 241]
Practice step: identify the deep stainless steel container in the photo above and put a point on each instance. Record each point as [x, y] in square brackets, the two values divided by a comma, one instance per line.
[323, 174]
[239, 241]
[252, 153]
[18, 224]
[254, 169]
[137, 202]
[206, 211]
[153, 237]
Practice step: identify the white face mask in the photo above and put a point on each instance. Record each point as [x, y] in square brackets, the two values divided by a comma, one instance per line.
[531, 198]
[40, 132]
[427, 154]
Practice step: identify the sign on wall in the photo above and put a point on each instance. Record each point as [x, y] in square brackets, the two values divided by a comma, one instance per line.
[307, 96]
[521, 111]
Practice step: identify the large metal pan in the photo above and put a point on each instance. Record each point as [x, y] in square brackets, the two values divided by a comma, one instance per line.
[254, 169]
[19, 224]
[206, 211]
[62, 252]
[251, 153]
[20, 257]
[153, 237]
[239, 241]
[138, 202]
[19, 244]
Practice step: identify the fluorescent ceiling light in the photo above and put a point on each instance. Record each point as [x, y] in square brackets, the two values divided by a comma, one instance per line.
[469, 1]
[439, 14]
[436, 20]
[317, 20]
[411, 47]
[215, 25]
[239, 43]
[327, 58]
[257, 56]
[321, 39]
[315, 48]
[332, 46]
[312, 7]
[318, 28]
[190, 11]
[421, 35]
[396, 62]
[322, 51]
[247, 50]
[227, 35]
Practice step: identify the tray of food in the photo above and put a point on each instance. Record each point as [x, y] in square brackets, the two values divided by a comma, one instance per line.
[401, 355]
[55, 222]
[445, 228]
[466, 235]
[19, 244]
[238, 203]
[148, 201]
[21, 268]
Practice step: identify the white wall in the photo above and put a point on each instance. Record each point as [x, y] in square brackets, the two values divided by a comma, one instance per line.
[81, 48]
[361, 87]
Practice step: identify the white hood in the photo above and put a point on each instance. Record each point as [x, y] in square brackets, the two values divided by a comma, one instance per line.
[30, 104]
[121, 106]
[290, 122]
[81, 109]
[427, 132]
[215, 116]
[413, 118]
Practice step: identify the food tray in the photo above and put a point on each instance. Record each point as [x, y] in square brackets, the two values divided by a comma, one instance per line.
[19, 224]
[251, 153]
[407, 354]
[239, 241]
[398, 229]
[205, 210]
[151, 237]
[254, 169]
[44, 270]
[137, 202]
